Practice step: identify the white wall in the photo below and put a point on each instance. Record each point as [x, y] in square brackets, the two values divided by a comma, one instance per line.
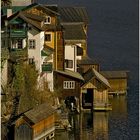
[4, 73]
[36, 53]
[70, 54]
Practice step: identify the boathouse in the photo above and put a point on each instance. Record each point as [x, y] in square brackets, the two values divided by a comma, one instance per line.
[36, 124]
[94, 91]
[117, 80]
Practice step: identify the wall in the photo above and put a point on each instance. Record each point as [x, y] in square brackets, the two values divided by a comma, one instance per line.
[44, 127]
[4, 73]
[36, 53]
[118, 84]
[58, 79]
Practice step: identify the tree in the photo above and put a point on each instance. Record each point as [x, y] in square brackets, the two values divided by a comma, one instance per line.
[6, 2]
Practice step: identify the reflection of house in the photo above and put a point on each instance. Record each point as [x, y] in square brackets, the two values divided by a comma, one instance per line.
[36, 124]
[117, 80]
[94, 91]
[100, 125]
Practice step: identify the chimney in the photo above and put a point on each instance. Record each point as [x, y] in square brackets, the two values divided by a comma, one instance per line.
[9, 12]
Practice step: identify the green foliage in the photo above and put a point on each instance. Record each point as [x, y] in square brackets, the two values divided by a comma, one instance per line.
[18, 81]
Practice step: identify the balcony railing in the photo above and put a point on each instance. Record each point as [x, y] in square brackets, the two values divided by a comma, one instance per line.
[47, 67]
[18, 33]
[18, 54]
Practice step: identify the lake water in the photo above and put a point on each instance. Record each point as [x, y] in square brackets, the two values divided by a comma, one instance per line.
[113, 41]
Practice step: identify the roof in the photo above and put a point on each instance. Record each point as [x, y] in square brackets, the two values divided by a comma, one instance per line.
[39, 113]
[34, 17]
[91, 73]
[71, 74]
[73, 14]
[74, 32]
[114, 74]
[86, 60]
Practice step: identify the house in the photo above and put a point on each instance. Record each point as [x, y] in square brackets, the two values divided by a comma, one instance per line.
[94, 91]
[36, 124]
[117, 80]
[85, 63]
[67, 84]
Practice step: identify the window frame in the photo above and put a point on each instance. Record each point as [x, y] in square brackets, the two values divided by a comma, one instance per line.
[31, 61]
[33, 45]
[68, 63]
[47, 20]
[50, 37]
[68, 84]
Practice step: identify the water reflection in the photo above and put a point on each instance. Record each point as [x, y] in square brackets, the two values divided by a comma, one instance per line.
[98, 125]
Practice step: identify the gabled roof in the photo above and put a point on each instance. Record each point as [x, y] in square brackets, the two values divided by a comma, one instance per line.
[39, 113]
[34, 17]
[74, 32]
[71, 74]
[73, 14]
[86, 60]
[92, 73]
[114, 74]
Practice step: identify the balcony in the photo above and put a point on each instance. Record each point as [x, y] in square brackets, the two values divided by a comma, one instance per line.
[47, 67]
[18, 54]
[18, 33]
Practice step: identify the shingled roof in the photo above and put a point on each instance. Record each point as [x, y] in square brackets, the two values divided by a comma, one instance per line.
[86, 60]
[114, 74]
[39, 113]
[73, 14]
[71, 74]
[74, 32]
[92, 73]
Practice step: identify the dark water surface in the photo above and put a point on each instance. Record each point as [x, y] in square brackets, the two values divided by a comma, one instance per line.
[113, 41]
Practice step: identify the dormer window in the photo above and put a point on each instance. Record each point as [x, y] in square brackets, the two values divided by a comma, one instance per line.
[47, 20]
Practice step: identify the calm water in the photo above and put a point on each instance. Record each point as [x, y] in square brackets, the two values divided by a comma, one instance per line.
[113, 41]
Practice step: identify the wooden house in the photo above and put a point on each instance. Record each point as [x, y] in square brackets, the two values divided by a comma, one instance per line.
[36, 124]
[117, 80]
[94, 91]
[85, 63]
[67, 84]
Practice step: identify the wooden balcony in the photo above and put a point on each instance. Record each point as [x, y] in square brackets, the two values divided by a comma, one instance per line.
[18, 54]
[47, 67]
[18, 33]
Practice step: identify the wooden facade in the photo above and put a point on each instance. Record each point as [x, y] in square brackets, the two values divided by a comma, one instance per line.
[36, 124]
[86, 63]
[59, 80]
[94, 92]
[117, 80]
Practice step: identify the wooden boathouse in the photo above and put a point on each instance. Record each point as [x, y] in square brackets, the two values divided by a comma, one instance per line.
[36, 124]
[94, 91]
[118, 81]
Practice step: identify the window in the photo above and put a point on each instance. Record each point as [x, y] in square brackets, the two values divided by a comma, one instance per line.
[47, 37]
[69, 84]
[31, 61]
[47, 20]
[79, 51]
[19, 44]
[32, 44]
[69, 63]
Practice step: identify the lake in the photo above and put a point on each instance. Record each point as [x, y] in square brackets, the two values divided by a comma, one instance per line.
[112, 40]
